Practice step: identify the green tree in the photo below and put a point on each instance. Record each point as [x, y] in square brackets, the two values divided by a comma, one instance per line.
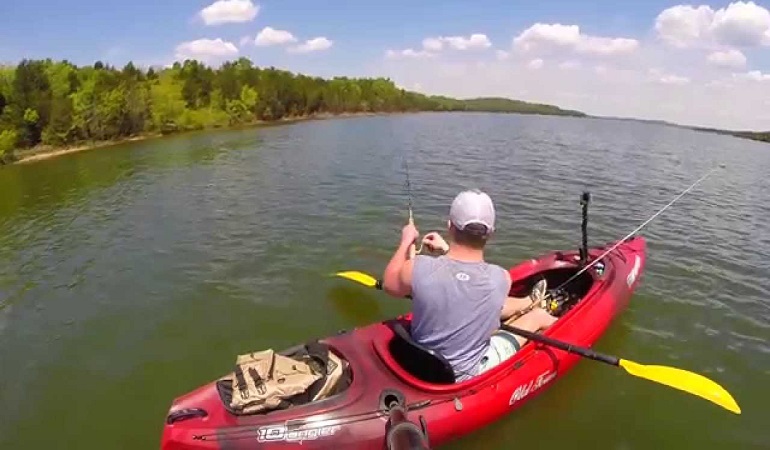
[62, 78]
[8, 140]
[242, 109]
[31, 92]
[167, 102]
[86, 122]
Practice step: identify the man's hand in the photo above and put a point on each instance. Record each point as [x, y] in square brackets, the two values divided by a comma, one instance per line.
[435, 242]
[409, 234]
[397, 279]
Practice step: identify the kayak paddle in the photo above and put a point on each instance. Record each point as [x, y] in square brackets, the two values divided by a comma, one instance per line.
[670, 376]
[360, 277]
[683, 380]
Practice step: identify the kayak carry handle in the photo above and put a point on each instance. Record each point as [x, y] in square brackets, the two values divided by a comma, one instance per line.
[184, 414]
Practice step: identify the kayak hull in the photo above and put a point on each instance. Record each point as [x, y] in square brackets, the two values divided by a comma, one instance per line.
[355, 418]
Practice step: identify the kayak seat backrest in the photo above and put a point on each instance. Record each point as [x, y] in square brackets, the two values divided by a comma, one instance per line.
[423, 363]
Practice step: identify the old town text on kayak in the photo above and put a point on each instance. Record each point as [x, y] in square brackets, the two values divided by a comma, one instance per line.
[534, 384]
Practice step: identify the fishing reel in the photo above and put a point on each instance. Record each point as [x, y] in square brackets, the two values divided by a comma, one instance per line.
[558, 302]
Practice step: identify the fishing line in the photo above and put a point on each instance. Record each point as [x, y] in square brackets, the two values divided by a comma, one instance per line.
[584, 269]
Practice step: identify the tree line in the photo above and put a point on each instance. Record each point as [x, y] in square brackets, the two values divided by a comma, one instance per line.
[756, 136]
[753, 135]
[56, 103]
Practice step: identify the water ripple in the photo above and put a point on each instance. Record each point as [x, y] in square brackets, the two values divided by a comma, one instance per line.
[192, 248]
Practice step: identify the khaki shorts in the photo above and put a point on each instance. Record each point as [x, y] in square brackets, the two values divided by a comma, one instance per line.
[502, 346]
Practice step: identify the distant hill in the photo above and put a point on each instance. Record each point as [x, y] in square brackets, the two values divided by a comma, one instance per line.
[506, 105]
[762, 136]
[632, 119]
[502, 105]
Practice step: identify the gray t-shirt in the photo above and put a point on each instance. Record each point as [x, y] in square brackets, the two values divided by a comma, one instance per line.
[456, 307]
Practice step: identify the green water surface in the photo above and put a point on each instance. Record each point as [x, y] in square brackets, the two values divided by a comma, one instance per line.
[131, 275]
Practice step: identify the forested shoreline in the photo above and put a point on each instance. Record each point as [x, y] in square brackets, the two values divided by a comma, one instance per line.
[47, 106]
[55, 104]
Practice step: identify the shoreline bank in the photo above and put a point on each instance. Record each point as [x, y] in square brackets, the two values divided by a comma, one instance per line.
[42, 153]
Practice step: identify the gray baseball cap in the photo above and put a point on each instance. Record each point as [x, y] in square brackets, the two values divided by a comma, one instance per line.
[473, 207]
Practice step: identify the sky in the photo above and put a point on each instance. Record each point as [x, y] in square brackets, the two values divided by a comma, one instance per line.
[705, 64]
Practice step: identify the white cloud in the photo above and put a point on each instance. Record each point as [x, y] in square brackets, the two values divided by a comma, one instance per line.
[754, 75]
[684, 25]
[229, 11]
[245, 40]
[717, 84]
[552, 34]
[703, 80]
[660, 76]
[474, 41]
[673, 79]
[312, 45]
[729, 58]
[685, 93]
[544, 37]
[740, 24]
[570, 65]
[415, 53]
[206, 50]
[601, 46]
[270, 36]
[432, 44]
[408, 53]
[535, 64]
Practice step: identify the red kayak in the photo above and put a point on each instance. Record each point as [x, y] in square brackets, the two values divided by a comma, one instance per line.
[386, 366]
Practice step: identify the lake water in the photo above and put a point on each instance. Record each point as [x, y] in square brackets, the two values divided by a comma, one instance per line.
[132, 274]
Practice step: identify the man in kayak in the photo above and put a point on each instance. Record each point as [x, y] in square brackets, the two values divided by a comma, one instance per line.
[458, 299]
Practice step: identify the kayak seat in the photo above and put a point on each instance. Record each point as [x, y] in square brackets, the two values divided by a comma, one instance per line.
[421, 362]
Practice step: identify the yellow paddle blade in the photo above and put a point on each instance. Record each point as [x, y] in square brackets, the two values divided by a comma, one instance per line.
[685, 381]
[359, 277]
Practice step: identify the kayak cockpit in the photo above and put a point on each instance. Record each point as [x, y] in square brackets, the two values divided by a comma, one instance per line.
[426, 369]
[557, 272]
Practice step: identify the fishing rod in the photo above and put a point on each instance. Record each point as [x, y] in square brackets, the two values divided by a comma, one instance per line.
[413, 250]
[408, 190]
[588, 266]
